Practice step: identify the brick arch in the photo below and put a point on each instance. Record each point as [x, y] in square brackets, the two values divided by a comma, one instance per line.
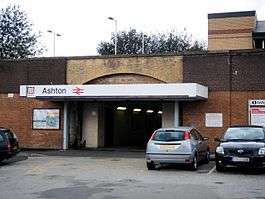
[124, 78]
[165, 68]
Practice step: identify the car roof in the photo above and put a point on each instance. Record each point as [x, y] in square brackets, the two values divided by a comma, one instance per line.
[246, 126]
[181, 128]
[5, 130]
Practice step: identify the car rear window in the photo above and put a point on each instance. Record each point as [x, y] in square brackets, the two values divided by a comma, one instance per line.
[1, 138]
[244, 133]
[169, 135]
[9, 134]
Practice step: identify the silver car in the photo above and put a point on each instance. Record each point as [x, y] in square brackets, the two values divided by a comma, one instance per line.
[180, 145]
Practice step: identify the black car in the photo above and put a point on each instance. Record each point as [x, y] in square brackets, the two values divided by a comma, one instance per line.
[241, 146]
[8, 144]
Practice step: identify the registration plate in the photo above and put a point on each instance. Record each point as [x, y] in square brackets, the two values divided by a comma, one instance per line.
[239, 159]
[168, 147]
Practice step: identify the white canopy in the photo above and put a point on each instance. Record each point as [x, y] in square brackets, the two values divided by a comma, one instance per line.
[178, 91]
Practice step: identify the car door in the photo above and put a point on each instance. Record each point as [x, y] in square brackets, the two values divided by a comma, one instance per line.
[2, 146]
[202, 143]
[194, 142]
[12, 140]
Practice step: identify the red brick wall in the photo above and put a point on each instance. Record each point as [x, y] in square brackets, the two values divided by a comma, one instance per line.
[194, 114]
[16, 114]
[239, 108]
[219, 102]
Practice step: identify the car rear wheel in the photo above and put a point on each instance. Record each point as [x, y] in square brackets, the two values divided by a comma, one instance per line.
[194, 164]
[150, 166]
[207, 157]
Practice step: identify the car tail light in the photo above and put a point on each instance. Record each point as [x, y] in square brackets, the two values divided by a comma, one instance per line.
[186, 135]
[8, 146]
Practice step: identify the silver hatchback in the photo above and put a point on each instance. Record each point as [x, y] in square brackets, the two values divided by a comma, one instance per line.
[180, 145]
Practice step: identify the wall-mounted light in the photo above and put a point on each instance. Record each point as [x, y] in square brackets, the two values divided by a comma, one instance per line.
[160, 112]
[137, 110]
[121, 108]
[149, 111]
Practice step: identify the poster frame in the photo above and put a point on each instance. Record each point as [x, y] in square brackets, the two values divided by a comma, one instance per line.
[50, 129]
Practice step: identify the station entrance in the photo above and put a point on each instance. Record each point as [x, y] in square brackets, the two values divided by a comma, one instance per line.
[113, 124]
[116, 115]
[130, 124]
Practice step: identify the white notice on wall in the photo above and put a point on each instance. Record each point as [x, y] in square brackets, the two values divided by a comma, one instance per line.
[214, 120]
[257, 116]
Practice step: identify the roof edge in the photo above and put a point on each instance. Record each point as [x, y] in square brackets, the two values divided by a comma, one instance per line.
[232, 14]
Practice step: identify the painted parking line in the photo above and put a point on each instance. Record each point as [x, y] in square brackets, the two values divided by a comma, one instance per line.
[212, 170]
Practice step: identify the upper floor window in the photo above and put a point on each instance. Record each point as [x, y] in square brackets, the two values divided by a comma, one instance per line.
[259, 43]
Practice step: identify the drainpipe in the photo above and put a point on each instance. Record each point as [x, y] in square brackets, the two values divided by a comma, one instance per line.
[229, 62]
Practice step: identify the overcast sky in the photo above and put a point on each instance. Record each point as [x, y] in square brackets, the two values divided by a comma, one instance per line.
[83, 24]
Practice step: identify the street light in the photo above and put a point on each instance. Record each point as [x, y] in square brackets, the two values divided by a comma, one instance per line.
[143, 36]
[54, 35]
[115, 42]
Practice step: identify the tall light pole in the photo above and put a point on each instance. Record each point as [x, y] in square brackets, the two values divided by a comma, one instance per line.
[115, 41]
[54, 35]
[143, 36]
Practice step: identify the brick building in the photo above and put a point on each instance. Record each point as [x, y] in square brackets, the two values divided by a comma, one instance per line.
[117, 101]
[236, 30]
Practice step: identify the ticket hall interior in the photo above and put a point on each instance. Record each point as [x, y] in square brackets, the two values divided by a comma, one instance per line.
[118, 124]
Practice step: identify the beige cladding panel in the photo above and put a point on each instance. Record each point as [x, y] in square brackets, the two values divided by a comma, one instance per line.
[168, 115]
[230, 43]
[90, 128]
[232, 23]
[164, 68]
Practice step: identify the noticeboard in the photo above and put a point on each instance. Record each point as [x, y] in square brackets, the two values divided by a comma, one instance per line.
[256, 109]
[214, 120]
[46, 119]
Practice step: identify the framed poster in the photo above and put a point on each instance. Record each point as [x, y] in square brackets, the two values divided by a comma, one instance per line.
[214, 120]
[256, 110]
[46, 119]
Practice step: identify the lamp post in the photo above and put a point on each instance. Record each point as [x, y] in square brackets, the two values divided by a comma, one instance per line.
[115, 41]
[143, 36]
[54, 35]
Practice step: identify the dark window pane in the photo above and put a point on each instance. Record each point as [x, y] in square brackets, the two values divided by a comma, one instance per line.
[244, 133]
[1, 138]
[169, 135]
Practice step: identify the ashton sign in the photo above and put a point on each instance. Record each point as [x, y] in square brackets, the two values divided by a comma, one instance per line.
[53, 91]
[117, 91]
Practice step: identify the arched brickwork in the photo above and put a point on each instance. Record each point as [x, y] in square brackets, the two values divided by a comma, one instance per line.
[124, 79]
[164, 68]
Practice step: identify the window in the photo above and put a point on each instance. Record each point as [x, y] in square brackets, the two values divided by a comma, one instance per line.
[244, 133]
[169, 135]
[194, 135]
[259, 43]
[199, 135]
[8, 134]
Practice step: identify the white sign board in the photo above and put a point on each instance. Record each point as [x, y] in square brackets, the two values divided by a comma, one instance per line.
[96, 91]
[257, 112]
[214, 120]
